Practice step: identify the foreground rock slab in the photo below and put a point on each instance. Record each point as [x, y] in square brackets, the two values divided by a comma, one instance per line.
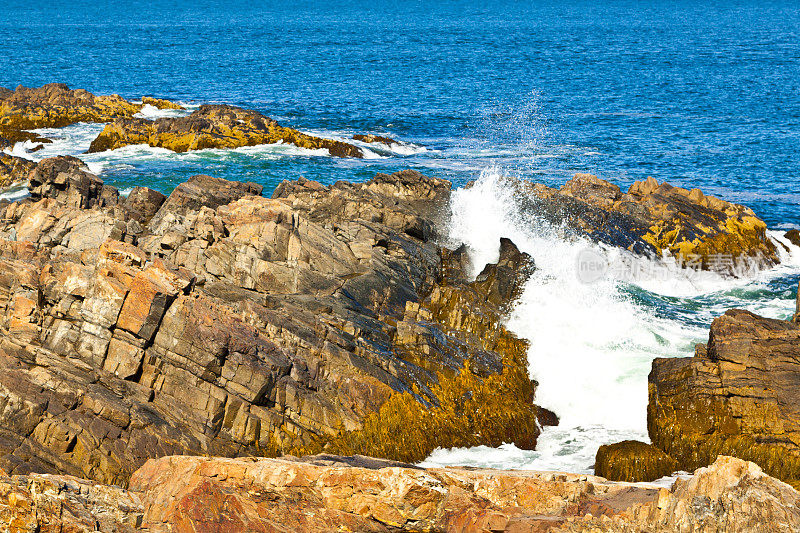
[213, 126]
[327, 493]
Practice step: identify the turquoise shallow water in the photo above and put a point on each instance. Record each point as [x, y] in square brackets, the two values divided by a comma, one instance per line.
[702, 94]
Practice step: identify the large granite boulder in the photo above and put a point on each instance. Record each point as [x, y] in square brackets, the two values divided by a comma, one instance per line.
[212, 126]
[222, 322]
[653, 218]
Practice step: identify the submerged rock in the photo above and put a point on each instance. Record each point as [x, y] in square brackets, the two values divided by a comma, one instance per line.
[653, 218]
[212, 126]
[633, 461]
[221, 322]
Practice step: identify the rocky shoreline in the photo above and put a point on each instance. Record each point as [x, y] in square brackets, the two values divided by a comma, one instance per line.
[324, 493]
[140, 333]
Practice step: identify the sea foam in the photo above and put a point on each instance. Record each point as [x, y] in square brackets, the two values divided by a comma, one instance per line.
[591, 344]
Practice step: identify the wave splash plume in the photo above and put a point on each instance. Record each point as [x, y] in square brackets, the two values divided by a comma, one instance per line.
[591, 343]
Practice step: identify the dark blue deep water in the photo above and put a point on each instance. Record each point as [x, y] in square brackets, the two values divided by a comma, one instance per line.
[705, 94]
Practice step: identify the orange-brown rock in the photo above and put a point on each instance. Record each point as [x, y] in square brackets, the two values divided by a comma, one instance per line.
[221, 322]
[737, 396]
[653, 218]
[14, 170]
[212, 126]
[370, 138]
[328, 493]
[633, 461]
[45, 503]
[55, 105]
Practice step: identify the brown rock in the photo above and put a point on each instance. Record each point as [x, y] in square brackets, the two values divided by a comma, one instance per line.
[736, 396]
[143, 203]
[55, 105]
[320, 317]
[68, 181]
[634, 461]
[47, 503]
[369, 138]
[212, 126]
[160, 103]
[793, 235]
[326, 493]
[652, 218]
[14, 170]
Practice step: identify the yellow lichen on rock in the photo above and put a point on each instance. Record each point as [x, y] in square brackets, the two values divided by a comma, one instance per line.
[213, 126]
[655, 218]
[55, 105]
[160, 103]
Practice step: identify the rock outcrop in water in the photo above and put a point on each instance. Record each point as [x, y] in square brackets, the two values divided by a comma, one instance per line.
[160, 103]
[329, 493]
[54, 106]
[370, 138]
[737, 396]
[14, 170]
[212, 126]
[220, 322]
[653, 218]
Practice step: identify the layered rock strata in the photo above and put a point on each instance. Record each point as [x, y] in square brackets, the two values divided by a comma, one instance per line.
[737, 396]
[217, 321]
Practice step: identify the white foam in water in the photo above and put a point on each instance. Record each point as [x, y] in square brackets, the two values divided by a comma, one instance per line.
[151, 112]
[14, 193]
[71, 140]
[591, 344]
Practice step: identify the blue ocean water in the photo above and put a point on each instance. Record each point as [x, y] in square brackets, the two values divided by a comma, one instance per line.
[701, 94]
